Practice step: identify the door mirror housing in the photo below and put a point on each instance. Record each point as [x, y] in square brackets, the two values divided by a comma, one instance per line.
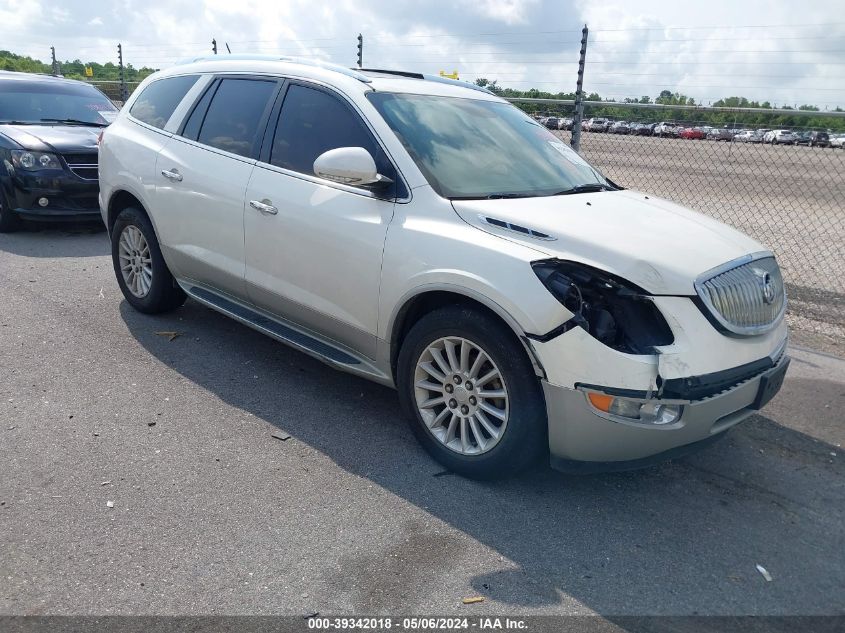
[349, 166]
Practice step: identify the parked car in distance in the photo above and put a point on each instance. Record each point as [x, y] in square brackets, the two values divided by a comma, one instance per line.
[597, 125]
[814, 139]
[48, 144]
[565, 123]
[620, 127]
[551, 122]
[429, 236]
[720, 134]
[665, 129]
[749, 136]
[780, 137]
[838, 141]
[692, 133]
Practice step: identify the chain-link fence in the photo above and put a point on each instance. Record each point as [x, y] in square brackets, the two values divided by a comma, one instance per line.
[784, 189]
[112, 89]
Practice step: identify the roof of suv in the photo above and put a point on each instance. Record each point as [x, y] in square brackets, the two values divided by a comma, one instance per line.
[353, 79]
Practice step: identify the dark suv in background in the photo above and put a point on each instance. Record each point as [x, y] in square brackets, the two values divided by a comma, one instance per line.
[48, 144]
[819, 139]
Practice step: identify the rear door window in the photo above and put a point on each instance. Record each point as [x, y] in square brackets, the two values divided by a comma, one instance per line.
[235, 119]
[159, 99]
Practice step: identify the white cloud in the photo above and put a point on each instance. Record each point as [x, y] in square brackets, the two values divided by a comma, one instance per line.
[634, 48]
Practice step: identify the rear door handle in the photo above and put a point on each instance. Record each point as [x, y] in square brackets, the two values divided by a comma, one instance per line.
[264, 206]
[172, 175]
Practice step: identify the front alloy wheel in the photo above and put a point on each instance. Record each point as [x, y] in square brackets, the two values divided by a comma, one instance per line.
[461, 395]
[471, 394]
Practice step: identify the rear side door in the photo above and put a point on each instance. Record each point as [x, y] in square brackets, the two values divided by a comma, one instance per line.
[202, 174]
[314, 247]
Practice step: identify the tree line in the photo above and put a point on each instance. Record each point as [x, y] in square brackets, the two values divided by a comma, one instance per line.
[73, 69]
[768, 117]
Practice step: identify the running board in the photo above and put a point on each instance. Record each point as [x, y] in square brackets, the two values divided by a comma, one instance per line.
[285, 332]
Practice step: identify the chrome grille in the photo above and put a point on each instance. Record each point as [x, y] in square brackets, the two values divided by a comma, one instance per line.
[83, 165]
[746, 296]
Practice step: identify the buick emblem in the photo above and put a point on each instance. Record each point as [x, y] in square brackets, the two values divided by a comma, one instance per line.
[766, 285]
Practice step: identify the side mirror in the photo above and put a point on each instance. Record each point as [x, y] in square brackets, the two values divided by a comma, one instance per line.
[350, 166]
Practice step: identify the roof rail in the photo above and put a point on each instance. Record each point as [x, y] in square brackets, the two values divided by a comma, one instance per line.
[425, 77]
[280, 58]
[455, 82]
[399, 73]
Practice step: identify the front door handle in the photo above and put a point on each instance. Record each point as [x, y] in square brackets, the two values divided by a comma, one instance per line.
[264, 206]
[172, 175]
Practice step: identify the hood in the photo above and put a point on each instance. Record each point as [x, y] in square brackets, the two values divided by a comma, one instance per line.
[656, 244]
[53, 138]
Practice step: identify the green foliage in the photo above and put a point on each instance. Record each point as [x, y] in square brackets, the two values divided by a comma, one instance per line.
[768, 117]
[73, 69]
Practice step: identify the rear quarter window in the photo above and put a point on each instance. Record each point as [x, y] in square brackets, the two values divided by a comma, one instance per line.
[159, 99]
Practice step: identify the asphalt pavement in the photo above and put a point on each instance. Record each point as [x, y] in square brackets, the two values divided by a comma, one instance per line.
[139, 474]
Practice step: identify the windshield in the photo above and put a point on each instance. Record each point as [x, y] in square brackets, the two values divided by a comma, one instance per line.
[39, 101]
[469, 148]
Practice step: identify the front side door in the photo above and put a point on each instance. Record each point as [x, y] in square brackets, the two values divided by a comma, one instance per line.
[314, 248]
[202, 175]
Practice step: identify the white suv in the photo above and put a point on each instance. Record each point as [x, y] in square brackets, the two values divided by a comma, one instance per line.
[430, 236]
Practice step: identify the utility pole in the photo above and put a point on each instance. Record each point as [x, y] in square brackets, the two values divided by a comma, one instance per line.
[360, 51]
[214, 46]
[124, 94]
[55, 63]
[579, 93]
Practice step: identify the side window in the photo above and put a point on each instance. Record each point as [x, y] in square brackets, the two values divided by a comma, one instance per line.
[236, 111]
[312, 122]
[158, 100]
[192, 125]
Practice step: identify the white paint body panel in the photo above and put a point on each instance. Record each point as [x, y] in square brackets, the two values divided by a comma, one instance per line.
[660, 246]
[320, 257]
[200, 218]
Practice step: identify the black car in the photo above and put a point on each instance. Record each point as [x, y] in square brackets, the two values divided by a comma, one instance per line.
[820, 139]
[48, 144]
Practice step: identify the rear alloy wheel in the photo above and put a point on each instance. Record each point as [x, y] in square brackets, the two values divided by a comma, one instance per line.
[141, 271]
[471, 394]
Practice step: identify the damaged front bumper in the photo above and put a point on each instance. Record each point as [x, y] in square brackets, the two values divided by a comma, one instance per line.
[716, 381]
[578, 432]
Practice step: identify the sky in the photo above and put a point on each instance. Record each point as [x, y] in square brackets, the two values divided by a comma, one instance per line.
[778, 50]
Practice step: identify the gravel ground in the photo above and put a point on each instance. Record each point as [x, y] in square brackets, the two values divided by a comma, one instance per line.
[213, 515]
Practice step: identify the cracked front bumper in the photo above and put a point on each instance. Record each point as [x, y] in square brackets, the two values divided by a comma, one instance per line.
[578, 433]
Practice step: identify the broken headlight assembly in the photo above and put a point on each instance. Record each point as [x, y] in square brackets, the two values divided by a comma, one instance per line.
[614, 311]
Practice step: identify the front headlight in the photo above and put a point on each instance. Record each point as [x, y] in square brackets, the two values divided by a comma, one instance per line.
[32, 161]
[616, 312]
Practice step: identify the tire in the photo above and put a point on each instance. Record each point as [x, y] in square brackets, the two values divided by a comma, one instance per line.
[523, 437]
[151, 289]
[9, 220]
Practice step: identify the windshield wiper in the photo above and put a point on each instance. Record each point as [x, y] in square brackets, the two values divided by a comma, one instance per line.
[14, 122]
[588, 188]
[495, 196]
[76, 122]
